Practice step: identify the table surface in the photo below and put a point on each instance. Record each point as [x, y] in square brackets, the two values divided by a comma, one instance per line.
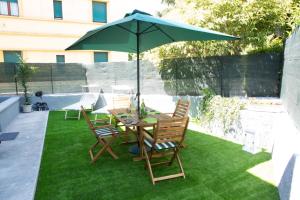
[131, 119]
[138, 123]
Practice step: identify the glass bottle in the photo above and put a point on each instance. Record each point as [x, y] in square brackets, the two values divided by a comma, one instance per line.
[143, 109]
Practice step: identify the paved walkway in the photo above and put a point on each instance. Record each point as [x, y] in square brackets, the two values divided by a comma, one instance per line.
[20, 159]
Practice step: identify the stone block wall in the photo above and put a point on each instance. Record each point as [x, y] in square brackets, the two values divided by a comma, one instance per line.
[9, 109]
[290, 90]
[124, 73]
[286, 152]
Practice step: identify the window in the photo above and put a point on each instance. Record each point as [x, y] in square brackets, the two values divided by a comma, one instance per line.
[100, 57]
[99, 11]
[9, 7]
[57, 7]
[12, 56]
[60, 59]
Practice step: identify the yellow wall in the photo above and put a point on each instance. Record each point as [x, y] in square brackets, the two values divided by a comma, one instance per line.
[40, 37]
[47, 56]
[114, 56]
[50, 56]
[1, 56]
[73, 10]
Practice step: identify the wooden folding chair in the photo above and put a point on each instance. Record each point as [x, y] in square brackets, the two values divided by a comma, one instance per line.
[104, 134]
[120, 101]
[166, 142]
[182, 108]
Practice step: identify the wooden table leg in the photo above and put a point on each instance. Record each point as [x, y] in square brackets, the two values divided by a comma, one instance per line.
[140, 144]
[127, 131]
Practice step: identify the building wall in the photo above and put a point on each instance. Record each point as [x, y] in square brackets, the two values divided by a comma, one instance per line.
[35, 31]
[290, 92]
[1, 56]
[50, 56]
[72, 10]
[286, 151]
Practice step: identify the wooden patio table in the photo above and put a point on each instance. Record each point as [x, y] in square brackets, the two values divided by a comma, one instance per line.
[133, 123]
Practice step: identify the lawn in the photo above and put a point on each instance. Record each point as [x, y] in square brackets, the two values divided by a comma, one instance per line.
[215, 169]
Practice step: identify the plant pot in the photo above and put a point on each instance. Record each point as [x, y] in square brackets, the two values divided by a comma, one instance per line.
[27, 108]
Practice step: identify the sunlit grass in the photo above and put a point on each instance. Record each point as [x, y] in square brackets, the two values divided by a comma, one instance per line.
[215, 169]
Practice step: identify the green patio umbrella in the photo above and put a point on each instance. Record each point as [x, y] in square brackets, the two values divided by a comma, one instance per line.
[138, 32]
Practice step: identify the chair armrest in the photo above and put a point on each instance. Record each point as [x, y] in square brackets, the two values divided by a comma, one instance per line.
[168, 113]
[148, 131]
[147, 136]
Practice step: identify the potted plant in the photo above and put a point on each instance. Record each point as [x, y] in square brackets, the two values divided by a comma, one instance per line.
[23, 74]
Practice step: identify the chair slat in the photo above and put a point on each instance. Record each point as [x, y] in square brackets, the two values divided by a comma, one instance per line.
[121, 101]
[182, 108]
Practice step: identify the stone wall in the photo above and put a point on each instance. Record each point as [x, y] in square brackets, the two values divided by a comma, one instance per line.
[286, 153]
[9, 109]
[242, 75]
[290, 91]
[124, 73]
[251, 75]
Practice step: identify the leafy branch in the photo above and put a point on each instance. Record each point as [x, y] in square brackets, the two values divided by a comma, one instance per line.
[220, 111]
[23, 75]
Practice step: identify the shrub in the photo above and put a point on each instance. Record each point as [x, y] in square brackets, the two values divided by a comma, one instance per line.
[220, 111]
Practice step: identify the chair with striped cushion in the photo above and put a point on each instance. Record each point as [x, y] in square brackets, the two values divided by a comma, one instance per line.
[182, 108]
[104, 135]
[166, 142]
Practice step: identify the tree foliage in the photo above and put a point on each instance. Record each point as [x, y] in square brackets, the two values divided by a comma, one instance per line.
[262, 25]
[24, 74]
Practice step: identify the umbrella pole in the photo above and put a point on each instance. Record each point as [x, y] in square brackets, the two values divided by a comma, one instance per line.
[138, 66]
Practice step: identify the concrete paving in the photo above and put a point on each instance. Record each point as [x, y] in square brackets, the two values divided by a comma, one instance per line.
[20, 159]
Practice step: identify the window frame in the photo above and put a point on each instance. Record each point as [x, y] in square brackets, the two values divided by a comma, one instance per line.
[17, 53]
[60, 56]
[100, 52]
[61, 8]
[8, 2]
[93, 17]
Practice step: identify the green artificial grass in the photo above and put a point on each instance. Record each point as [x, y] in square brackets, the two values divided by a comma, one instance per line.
[215, 169]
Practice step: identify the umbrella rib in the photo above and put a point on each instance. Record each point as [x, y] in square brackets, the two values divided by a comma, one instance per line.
[126, 29]
[145, 31]
[150, 31]
[165, 33]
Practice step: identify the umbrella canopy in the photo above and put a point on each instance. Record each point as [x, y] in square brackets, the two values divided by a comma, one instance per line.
[138, 32]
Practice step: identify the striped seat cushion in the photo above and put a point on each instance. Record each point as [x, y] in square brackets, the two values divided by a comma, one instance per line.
[160, 146]
[106, 131]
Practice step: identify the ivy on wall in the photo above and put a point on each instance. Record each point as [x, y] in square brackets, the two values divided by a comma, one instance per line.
[220, 111]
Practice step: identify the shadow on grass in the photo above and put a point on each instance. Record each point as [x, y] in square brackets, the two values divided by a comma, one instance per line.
[215, 169]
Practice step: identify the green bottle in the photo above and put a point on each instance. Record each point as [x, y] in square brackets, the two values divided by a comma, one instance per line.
[143, 109]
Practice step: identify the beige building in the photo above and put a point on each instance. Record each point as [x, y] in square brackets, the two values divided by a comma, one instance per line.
[40, 30]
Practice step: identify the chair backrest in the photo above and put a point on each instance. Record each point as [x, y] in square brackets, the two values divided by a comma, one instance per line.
[182, 108]
[87, 119]
[171, 130]
[121, 101]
